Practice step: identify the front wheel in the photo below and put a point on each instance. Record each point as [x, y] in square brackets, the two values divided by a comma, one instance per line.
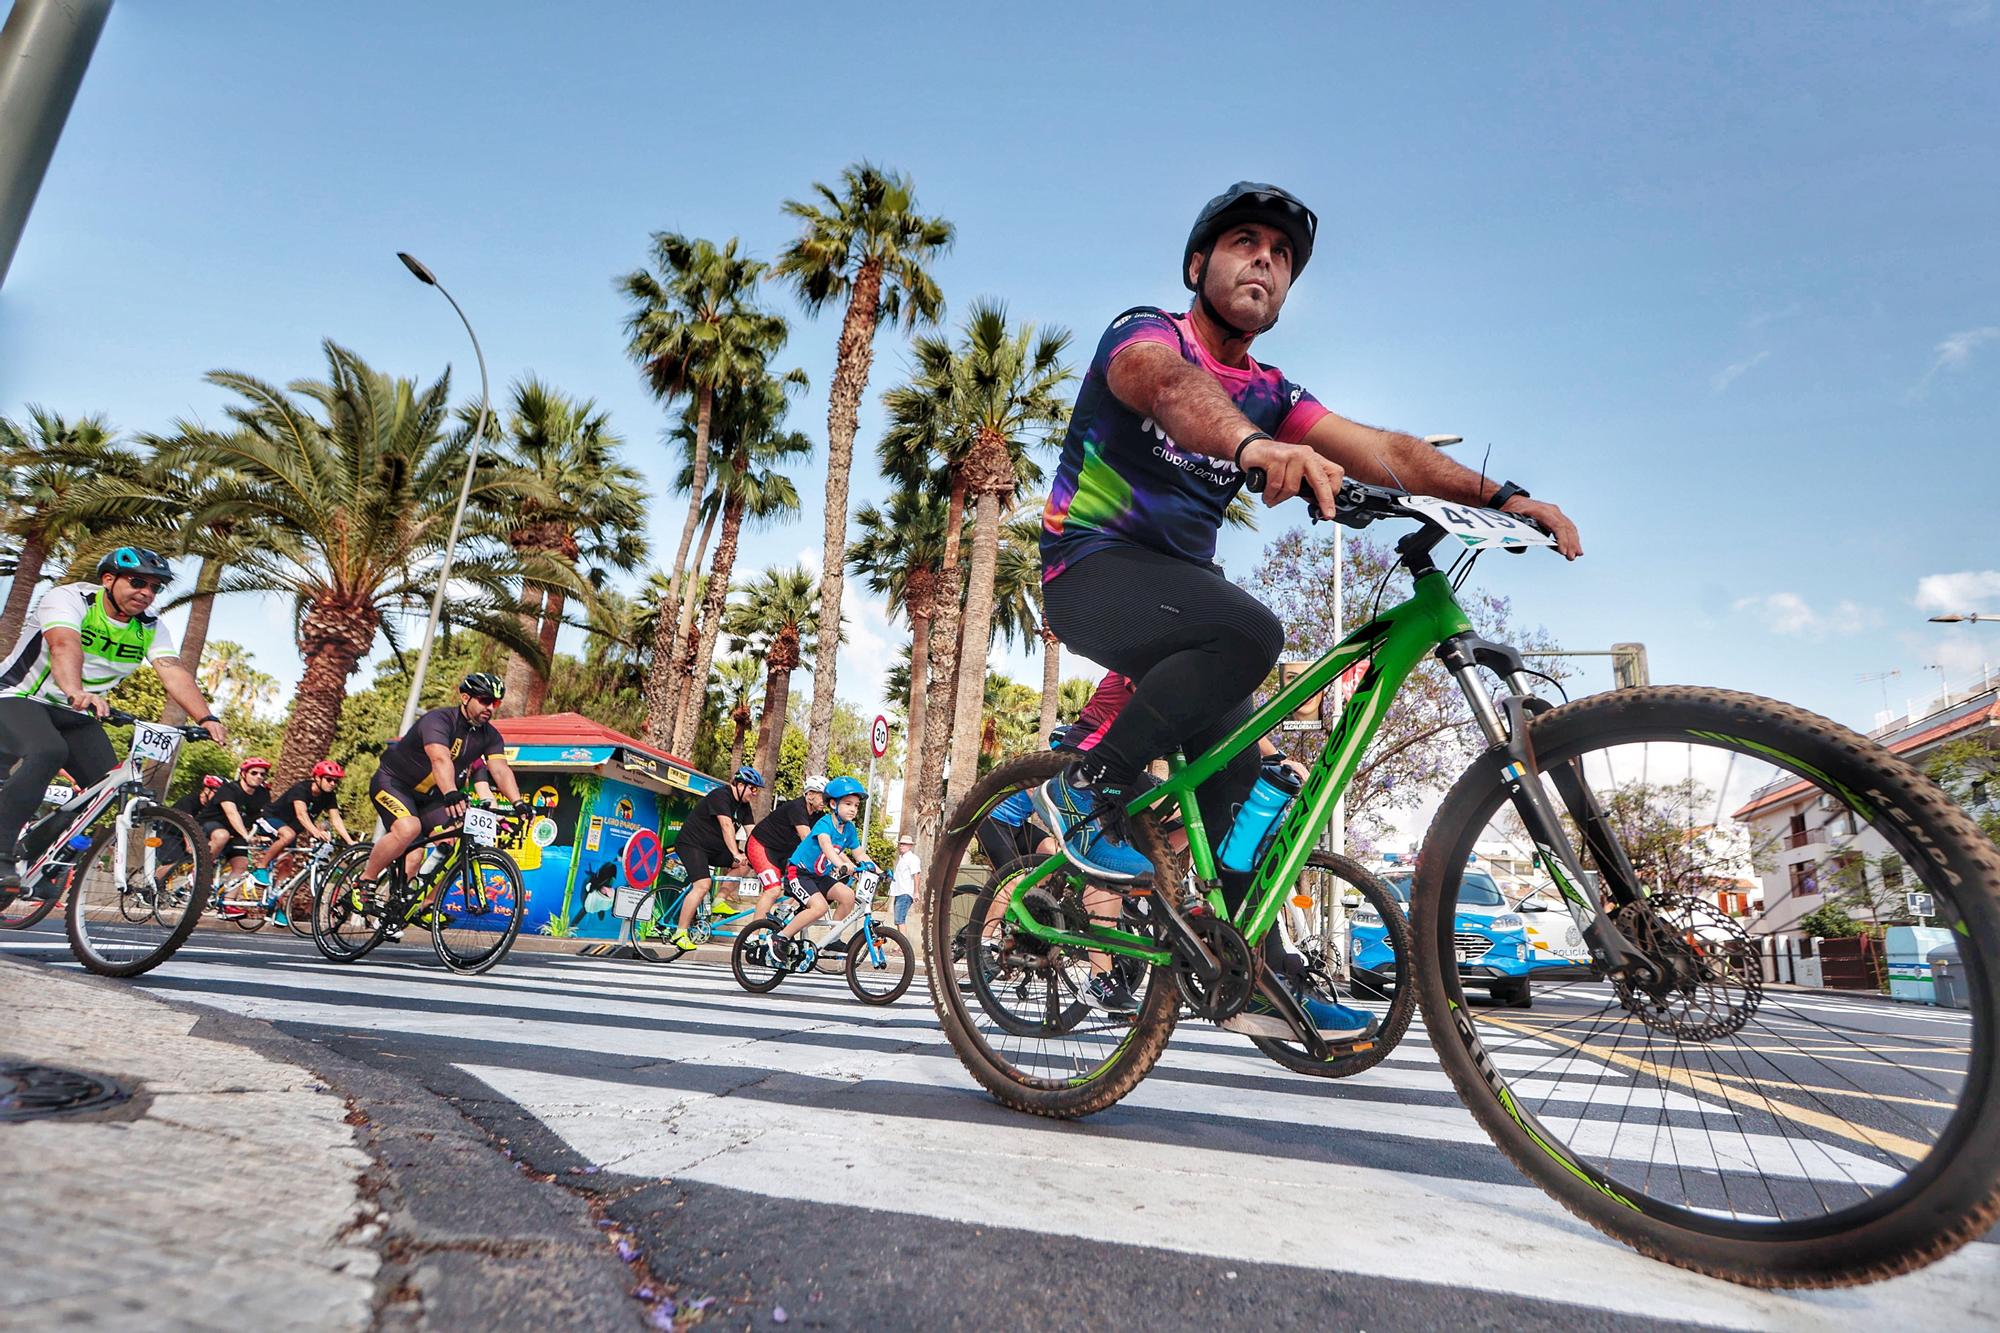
[750, 957]
[478, 911]
[879, 970]
[1776, 1138]
[129, 907]
[345, 909]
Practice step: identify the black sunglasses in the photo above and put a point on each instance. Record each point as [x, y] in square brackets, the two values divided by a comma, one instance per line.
[482, 698]
[145, 584]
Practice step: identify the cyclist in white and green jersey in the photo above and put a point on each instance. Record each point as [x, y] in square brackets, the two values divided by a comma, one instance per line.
[78, 643]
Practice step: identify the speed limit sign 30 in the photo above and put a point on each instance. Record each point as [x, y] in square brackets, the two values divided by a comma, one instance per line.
[878, 736]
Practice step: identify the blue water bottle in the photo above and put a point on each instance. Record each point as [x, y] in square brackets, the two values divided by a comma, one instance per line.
[1257, 816]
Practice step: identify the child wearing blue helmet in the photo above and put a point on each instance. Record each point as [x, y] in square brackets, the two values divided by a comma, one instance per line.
[825, 861]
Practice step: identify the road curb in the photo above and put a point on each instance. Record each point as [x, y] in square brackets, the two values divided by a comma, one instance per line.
[467, 1236]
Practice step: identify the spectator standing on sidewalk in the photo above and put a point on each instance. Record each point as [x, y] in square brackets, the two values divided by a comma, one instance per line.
[903, 879]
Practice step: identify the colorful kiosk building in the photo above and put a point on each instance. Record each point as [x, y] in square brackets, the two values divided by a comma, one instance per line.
[592, 789]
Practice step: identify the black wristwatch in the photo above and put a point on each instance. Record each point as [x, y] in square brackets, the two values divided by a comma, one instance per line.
[1508, 491]
[204, 721]
[1246, 442]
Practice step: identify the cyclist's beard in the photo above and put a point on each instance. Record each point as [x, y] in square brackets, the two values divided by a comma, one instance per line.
[1209, 307]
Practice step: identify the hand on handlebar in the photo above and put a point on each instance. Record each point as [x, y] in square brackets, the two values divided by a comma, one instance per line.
[83, 701]
[1550, 520]
[1281, 471]
[215, 731]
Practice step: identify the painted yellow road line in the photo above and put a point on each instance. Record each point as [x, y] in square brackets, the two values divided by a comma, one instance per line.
[1880, 1140]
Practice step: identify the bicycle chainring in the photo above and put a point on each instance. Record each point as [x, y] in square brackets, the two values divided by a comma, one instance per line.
[1707, 982]
[1236, 978]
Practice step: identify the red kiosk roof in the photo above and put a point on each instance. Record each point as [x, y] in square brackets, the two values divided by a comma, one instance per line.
[576, 729]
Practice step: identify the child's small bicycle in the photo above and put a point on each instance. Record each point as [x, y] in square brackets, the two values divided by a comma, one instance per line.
[876, 959]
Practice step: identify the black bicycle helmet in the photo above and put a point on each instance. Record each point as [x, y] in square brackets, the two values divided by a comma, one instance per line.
[136, 560]
[1253, 201]
[483, 684]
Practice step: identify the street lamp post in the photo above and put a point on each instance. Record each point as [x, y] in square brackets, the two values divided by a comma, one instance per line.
[429, 279]
[1964, 618]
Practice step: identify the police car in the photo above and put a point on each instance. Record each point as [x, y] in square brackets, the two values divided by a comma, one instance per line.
[1490, 938]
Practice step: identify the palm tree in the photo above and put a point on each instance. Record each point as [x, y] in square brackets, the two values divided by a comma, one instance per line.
[868, 243]
[752, 489]
[997, 399]
[579, 504]
[900, 551]
[352, 501]
[778, 621]
[737, 675]
[693, 329]
[50, 469]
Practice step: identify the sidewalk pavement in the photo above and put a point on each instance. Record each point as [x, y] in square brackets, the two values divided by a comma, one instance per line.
[254, 1180]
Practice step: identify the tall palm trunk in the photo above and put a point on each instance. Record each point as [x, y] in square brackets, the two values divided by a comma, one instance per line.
[538, 681]
[333, 639]
[201, 609]
[27, 573]
[1051, 679]
[942, 674]
[520, 672]
[740, 719]
[974, 642]
[771, 732]
[856, 353]
[687, 609]
[661, 680]
[920, 601]
[711, 624]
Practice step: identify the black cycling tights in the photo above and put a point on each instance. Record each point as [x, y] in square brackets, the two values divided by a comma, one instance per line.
[46, 739]
[1196, 647]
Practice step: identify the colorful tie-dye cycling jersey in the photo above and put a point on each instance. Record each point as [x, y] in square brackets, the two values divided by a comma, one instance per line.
[1121, 481]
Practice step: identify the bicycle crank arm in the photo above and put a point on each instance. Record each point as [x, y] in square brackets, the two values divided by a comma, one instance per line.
[1289, 1009]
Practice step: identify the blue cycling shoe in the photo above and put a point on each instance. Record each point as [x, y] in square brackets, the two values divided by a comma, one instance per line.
[1067, 809]
[1335, 1022]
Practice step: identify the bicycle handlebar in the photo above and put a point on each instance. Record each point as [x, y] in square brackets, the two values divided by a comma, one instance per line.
[118, 717]
[1357, 505]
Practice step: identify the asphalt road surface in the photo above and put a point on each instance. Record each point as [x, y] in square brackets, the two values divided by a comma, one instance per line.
[800, 1150]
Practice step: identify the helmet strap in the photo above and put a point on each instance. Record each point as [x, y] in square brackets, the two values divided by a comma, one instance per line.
[1208, 306]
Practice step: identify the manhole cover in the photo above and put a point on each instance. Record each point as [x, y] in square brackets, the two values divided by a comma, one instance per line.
[29, 1092]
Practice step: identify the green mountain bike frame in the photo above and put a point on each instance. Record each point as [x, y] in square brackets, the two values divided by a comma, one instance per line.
[1393, 644]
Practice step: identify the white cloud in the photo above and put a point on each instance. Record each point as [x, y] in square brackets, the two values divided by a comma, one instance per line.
[1955, 352]
[1789, 613]
[1728, 375]
[1968, 590]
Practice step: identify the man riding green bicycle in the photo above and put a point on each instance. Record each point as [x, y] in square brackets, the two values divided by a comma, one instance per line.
[1172, 417]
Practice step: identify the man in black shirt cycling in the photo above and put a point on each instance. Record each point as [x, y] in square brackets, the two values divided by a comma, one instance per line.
[778, 835]
[708, 839]
[416, 789]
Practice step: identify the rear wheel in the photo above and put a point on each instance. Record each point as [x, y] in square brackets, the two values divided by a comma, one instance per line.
[880, 970]
[1776, 1138]
[125, 919]
[1365, 963]
[1012, 1008]
[478, 911]
[750, 957]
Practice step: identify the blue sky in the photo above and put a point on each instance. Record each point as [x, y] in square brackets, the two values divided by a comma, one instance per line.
[1723, 283]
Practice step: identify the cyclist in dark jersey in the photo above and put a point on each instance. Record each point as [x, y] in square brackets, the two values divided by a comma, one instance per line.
[1171, 413]
[297, 812]
[707, 840]
[777, 835]
[416, 788]
[237, 805]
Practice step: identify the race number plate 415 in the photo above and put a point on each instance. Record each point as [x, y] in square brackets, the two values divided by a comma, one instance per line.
[1480, 529]
[154, 743]
[482, 826]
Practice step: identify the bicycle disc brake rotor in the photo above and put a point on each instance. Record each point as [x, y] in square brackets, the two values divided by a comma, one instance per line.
[1235, 979]
[1708, 983]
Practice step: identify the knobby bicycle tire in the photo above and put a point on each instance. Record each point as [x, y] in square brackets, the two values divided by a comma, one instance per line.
[857, 949]
[197, 898]
[1142, 1042]
[1350, 1060]
[1951, 1194]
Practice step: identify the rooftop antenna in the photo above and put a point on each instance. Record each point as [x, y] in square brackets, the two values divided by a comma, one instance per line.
[1884, 677]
